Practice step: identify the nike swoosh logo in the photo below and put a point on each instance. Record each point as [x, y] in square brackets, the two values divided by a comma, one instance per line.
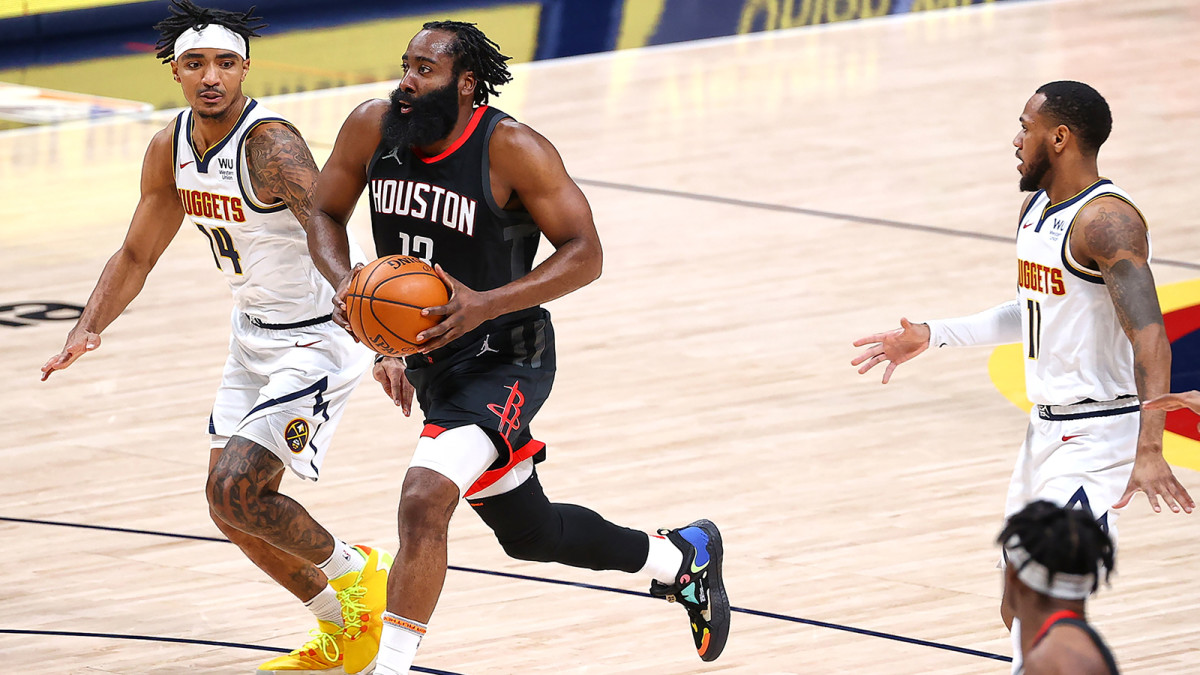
[698, 569]
[1026, 225]
[1067, 438]
[184, 165]
[307, 345]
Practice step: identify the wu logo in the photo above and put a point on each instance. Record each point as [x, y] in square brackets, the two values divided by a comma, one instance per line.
[510, 412]
[225, 163]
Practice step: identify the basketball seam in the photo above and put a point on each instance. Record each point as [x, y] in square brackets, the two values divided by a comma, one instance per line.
[364, 301]
[371, 298]
[384, 326]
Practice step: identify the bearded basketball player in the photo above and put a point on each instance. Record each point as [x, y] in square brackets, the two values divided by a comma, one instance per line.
[471, 190]
[1088, 316]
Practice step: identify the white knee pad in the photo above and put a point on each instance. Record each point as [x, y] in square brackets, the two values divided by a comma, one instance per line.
[462, 454]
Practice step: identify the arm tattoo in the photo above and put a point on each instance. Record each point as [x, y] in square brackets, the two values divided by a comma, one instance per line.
[1131, 286]
[1113, 232]
[1116, 239]
[282, 169]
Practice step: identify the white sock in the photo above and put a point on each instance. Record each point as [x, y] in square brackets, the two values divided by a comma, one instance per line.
[1016, 645]
[325, 606]
[663, 561]
[398, 644]
[344, 558]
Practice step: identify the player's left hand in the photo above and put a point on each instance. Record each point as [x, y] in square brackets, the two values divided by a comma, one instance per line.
[1152, 475]
[389, 372]
[339, 300]
[466, 309]
[1187, 399]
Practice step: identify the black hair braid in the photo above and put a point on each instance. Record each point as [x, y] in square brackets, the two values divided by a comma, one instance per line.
[185, 15]
[1065, 541]
[474, 51]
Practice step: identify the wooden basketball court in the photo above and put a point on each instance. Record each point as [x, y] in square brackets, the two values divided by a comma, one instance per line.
[763, 202]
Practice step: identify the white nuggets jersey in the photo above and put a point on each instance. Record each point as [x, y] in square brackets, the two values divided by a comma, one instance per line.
[1075, 348]
[260, 248]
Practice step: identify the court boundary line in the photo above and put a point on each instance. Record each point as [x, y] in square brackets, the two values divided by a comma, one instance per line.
[833, 215]
[558, 582]
[175, 640]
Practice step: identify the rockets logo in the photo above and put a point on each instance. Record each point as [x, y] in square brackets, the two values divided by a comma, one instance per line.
[510, 412]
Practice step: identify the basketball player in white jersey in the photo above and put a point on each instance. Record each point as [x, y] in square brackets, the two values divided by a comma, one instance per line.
[1088, 315]
[243, 177]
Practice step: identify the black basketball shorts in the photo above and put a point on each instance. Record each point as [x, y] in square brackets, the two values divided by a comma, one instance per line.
[496, 377]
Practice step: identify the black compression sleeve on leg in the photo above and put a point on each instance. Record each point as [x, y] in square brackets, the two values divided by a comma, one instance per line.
[529, 527]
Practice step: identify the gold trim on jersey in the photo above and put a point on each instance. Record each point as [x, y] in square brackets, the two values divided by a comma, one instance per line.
[239, 157]
[1069, 258]
[202, 157]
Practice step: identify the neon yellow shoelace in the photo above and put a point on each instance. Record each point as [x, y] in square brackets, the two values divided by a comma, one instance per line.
[353, 610]
[321, 641]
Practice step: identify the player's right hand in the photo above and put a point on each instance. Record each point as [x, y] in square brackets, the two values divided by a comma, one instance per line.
[389, 372]
[79, 342]
[339, 300]
[894, 346]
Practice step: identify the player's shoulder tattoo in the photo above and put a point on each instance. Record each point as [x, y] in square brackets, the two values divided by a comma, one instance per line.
[281, 165]
[1116, 230]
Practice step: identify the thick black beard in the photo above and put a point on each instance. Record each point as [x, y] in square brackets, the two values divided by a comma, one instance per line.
[1035, 171]
[431, 119]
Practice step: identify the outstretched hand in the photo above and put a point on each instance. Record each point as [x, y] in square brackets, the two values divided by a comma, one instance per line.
[894, 346]
[1168, 402]
[465, 310]
[79, 342]
[1152, 475]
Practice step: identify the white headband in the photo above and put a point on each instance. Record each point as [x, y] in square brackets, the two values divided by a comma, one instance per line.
[1035, 575]
[212, 36]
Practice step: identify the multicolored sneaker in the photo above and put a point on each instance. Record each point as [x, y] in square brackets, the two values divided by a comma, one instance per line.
[698, 586]
[363, 596]
[322, 655]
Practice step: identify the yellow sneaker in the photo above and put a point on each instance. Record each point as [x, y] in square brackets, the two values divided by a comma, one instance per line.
[363, 596]
[322, 655]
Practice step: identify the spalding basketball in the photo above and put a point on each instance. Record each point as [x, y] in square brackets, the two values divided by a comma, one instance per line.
[385, 302]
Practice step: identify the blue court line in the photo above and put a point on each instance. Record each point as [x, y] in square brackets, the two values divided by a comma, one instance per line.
[522, 577]
[816, 213]
[183, 641]
[832, 215]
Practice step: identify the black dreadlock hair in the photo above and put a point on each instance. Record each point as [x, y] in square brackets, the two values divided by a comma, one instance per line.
[1064, 540]
[1081, 109]
[185, 15]
[474, 51]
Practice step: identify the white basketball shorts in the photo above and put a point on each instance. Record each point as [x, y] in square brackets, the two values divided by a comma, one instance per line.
[1077, 456]
[286, 388]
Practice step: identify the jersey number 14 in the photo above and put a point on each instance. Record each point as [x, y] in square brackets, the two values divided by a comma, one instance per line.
[222, 247]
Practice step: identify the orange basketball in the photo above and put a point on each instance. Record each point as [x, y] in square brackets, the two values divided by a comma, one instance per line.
[385, 302]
